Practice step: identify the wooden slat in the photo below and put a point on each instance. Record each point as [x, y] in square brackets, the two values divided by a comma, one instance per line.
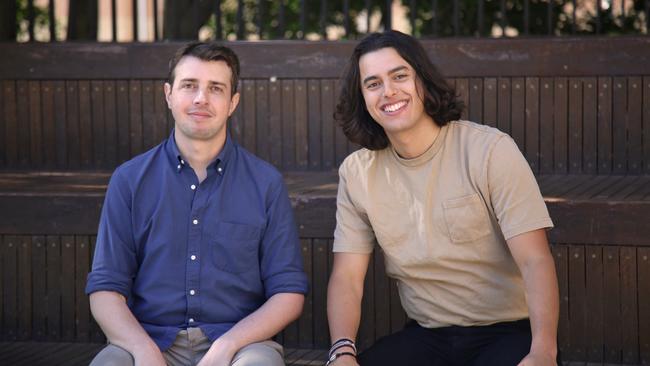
[340, 141]
[397, 314]
[109, 138]
[590, 126]
[643, 257]
[561, 255]
[314, 124]
[594, 304]
[72, 127]
[634, 125]
[518, 124]
[490, 102]
[262, 125]
[301, 121]
[24, 288]
[135, 117]
[49, 127]
[476, 100]
[67, 289]
[591, 187]
[382, 293]
[306, 321]
[53, 288]
[612, 305]
[288, 125]
[532, 123]
[319, 289]
[10, 122]
[85, 124]
[546, 109]
[23, 126]
[574, 139]
[249, 111]
[81, 269]
[615, 186]
[96, 333]
[328, 125]
[10, 287]
[161, 130]
[39, 296]
[123, 133]
[149, 122]
[60, 122]
[236, 122]
[624, 193]
[646, 124]
[99, 130]
[275, 123]
[560, 125]
[604, 125]
[462, 90]
[577, 304]
[35, 125]
[2, 287]
[629, 305]
[503, 113]
[619, 125]
[3, 130]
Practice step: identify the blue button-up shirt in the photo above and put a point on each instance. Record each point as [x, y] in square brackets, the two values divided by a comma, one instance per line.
[189, 254]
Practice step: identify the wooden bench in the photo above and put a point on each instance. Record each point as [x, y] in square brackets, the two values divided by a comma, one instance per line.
[582, 126]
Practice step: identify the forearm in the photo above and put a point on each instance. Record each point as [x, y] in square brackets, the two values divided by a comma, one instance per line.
[276, 313]
[118, 323]
[543, 304]
[343, 307]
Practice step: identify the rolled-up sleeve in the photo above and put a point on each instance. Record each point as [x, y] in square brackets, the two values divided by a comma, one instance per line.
[281, 264]
[114, 262]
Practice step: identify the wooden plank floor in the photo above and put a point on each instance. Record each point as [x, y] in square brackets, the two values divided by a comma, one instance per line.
[80, 354]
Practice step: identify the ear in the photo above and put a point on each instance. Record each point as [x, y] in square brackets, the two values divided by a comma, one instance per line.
[168, 93]
[234, 102]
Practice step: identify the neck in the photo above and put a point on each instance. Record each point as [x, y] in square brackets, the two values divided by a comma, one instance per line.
[414, 142]
[199, 153]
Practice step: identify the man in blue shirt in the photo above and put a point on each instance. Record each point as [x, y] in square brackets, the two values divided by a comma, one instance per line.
[197, 259]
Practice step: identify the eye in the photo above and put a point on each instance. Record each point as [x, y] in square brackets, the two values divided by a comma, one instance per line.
[401, 76]
[216, 89]
[372, 85]
[187, 85]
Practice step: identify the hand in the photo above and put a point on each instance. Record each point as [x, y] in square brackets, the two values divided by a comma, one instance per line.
[538, 359]
[148, 357]
[345, 361]
[219, 354]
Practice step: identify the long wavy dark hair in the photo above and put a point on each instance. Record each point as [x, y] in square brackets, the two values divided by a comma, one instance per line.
[439, 99]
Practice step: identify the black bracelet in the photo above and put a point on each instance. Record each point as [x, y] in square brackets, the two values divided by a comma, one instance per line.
[341, 342]
[337, 355]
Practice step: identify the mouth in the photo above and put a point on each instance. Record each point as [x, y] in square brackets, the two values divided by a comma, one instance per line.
[394, 107]
[200, 114]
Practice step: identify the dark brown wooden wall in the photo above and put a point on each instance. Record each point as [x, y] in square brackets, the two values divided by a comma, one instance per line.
[604, 297]
[572, 105]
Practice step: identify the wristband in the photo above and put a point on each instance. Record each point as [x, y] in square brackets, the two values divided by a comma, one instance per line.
[337, 355]
[342, 342]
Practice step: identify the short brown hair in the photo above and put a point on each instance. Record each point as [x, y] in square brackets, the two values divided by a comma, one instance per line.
[207, 51]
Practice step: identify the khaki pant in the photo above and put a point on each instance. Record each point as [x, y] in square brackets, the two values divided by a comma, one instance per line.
[190, 346]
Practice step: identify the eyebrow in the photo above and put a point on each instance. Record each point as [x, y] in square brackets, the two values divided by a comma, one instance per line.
[391, 71]
[211, 82]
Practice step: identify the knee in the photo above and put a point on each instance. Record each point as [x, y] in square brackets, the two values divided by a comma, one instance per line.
[113, 356]
[259, 354]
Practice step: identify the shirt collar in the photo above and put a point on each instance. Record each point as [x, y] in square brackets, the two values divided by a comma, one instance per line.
[219, 164]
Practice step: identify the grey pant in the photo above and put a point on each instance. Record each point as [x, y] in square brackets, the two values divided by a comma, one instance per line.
[190, 346]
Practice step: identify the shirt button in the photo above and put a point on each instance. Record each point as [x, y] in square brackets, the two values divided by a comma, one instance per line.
[191, 320]
[179, 166]
[195, 221]
[192, 292]
[219, 170]
[182, 161]
[193, 187]
[193, 257]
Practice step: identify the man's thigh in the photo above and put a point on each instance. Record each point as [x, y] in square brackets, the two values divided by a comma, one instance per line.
[113, 355]
[412, 346]
[267, 353]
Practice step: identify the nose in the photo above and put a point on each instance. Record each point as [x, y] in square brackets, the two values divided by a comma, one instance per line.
[200, 98]
[389, 90]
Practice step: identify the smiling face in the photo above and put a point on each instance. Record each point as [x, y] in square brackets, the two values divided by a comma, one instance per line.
[392, 92]
[201, 99]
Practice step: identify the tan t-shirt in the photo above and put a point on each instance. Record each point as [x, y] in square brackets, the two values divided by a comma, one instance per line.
[442, 220]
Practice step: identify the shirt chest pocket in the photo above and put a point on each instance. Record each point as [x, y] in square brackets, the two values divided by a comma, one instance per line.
[235, 247]
[466, 218]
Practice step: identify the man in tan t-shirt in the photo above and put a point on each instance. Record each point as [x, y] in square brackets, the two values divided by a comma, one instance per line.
[457, 213]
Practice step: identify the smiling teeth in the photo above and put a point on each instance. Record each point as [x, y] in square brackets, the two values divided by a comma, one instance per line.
[394, 107]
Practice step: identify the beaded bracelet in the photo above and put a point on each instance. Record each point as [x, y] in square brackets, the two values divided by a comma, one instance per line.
[337, 355]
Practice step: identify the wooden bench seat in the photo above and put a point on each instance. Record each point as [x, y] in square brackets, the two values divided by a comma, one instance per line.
[601, 244]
